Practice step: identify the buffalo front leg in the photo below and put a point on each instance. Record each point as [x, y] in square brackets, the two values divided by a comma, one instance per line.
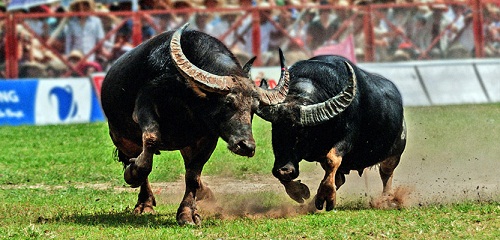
[386, 172]
[327, 188]
[145, 115]
[146, 201]
[195, 158]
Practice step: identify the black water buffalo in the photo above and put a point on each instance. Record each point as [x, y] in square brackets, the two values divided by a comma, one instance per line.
[340, 116]
[161, 96]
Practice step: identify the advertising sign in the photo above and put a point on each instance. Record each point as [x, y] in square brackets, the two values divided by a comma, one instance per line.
[17, 102]
[48, 101]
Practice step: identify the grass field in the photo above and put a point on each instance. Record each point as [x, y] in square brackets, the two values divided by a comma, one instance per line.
[62, 182]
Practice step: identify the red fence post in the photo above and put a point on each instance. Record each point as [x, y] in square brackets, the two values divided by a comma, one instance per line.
[136, 29]
[368, 31]
[477, 20]
[256, 36]
[11, 46]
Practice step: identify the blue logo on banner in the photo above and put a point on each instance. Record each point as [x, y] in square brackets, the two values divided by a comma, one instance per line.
[65, 100]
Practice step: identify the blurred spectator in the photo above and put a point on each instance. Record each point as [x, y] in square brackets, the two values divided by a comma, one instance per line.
[183, 16]
[214, 18]
[220, 28]
[121, 46]
[399, 19]
[126, 30]
[84, 67]
[342, 14]
[381, 41]
[31, 69]
[55, 68]
[74, 57]
[266, 29]
[24, 47]
[56, 26]
[322, 29]
[39, 25]
[439, 23]
[420, 29]
[202, 23]
[291, 25]
[299, 27]
[83, 32]
[211, 4]
[492, 31]
[462, 42]
[89, 68]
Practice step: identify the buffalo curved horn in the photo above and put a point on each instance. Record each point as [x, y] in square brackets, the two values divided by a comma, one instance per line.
[248, 66]
[208, 81]
[277, 94]
[318, 113]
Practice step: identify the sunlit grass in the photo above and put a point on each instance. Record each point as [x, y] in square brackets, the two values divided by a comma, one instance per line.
[59, 182]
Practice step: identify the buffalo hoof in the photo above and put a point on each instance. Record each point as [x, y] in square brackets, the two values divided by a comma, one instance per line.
[135, 176]
[143, 208]
[319, 202]
[325, 194]
[187, 216]
[297, 191]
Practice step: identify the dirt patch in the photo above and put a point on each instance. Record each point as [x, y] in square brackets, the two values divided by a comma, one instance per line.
[412, 187]
[453, 181]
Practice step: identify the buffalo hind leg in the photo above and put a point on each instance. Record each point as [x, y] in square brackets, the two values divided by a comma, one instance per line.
[327, 189]
[386, 172]
[145, 115]
[195, 158]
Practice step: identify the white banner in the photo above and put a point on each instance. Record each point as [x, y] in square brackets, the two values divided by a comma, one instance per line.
[63, 101]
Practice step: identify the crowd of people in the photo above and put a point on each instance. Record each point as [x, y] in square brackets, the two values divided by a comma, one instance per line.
[79, 45]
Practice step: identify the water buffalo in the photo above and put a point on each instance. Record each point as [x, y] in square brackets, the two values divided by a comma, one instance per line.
[181, 90]
[340, 116]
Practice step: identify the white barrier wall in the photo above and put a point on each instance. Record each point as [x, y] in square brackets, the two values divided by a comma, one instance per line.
[490, 75]
[444, 82]
[428, 83]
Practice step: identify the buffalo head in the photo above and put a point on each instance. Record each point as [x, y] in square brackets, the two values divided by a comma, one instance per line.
[232, 99]
[294, 127]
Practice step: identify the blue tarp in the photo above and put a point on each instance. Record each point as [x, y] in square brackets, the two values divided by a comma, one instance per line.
[26, 4]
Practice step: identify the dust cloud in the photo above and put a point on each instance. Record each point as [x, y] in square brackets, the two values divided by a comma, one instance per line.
[397, 200]
[253, 206]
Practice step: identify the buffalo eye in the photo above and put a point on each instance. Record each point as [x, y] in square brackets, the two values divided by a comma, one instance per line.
[231, 101]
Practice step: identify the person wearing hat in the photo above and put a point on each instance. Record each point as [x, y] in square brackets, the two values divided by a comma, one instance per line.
[438, 29]
[182, 16]
[322, 29]
[83, 32]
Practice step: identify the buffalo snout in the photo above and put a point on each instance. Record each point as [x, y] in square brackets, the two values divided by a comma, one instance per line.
[244, 147]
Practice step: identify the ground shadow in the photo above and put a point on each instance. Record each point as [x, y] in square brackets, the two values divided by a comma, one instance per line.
[117, 219]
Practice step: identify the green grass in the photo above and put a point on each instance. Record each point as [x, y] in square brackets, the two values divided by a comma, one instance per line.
[48, 176]
[84, 153]
[72, 213]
